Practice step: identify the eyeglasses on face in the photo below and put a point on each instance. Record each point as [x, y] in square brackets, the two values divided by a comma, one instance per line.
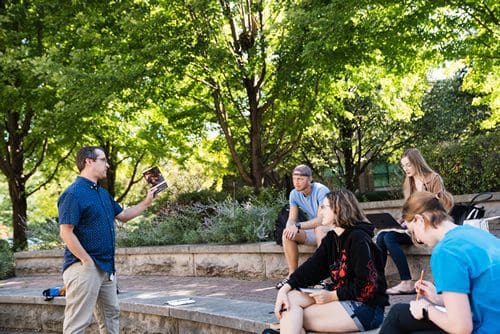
[102, 159]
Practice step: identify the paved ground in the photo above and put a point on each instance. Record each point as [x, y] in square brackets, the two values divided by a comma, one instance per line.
[231, 288]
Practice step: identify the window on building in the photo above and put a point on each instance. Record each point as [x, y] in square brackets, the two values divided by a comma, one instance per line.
[385, 176]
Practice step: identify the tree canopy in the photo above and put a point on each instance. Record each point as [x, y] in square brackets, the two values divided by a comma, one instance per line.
[337, 84]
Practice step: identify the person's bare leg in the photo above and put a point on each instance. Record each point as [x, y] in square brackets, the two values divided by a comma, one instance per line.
[329, 317]
[292, 320]
[291, 249]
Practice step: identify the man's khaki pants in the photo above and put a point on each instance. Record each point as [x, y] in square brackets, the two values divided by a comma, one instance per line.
[88, 290]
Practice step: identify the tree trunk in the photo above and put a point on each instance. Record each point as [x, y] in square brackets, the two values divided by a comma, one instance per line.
[19, 211]
[346, 137]
[257, 170]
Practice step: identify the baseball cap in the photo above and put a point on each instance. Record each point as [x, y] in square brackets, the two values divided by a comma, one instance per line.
[302, 170]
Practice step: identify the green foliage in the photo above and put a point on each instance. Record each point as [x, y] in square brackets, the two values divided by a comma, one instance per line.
[470, 167]
[227, 221]
[202, 196]
[202, 80]
[453, 141]
[47, 231]
[234, 222]
[6, 260]
[180, 225]
[449, 112]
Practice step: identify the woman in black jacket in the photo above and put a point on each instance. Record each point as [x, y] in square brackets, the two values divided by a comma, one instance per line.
[356, 299]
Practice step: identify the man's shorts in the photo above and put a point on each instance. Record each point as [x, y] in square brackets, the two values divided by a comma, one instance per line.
[310, 237]
[366, 317]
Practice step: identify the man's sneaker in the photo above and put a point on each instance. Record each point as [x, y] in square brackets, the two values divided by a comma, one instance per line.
[271, 331]
[280, 284]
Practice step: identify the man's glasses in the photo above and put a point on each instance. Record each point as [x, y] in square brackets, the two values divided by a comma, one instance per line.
[102, 159]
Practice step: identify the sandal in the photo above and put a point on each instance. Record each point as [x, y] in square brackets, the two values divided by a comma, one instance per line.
[280, 284]
[396, 291]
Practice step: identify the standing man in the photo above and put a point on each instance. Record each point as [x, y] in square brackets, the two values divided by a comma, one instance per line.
[86, 225]
[307, 195]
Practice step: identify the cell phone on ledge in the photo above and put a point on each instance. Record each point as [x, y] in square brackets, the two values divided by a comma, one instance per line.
[155, 179]
[179, 302]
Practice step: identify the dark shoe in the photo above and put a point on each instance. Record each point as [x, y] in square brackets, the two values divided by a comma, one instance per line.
[280, 284]
[271, 331]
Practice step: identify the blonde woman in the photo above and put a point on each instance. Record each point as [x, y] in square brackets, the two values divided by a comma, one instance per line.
[465, 264]
[356, 299]
[418, 177]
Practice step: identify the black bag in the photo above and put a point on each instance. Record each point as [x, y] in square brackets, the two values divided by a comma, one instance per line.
[280, 222]
[464, 211]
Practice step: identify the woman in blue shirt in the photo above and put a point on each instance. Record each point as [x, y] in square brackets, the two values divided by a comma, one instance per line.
[465, 263]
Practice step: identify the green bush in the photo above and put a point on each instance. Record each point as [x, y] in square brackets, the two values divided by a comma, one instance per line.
[6, 260]
[470, 167]
[235, 223]
[227, 221]
[181, 225]
[202, 196]
[47, 232]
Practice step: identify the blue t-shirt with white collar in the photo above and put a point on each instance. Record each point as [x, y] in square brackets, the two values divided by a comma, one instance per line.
[467, 260]
[91, 210]
[311, 202]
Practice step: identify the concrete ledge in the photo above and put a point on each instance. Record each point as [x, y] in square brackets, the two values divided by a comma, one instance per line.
[258, 260]
[24, 309]
[140, 313]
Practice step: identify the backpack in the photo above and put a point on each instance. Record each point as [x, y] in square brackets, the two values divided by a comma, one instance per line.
[49, 294]
[281, 220]
[463, 211]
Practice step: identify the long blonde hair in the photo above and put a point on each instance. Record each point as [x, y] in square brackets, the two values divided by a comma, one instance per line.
[421, 169]
[346, 208]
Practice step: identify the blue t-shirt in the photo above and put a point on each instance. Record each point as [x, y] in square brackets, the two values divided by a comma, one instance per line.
[91, 210]
[311, 202]
[467, 260]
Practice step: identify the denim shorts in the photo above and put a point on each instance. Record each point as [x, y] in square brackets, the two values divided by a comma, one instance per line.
[366, 317]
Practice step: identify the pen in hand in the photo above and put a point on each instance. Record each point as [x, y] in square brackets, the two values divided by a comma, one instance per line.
[420, 281]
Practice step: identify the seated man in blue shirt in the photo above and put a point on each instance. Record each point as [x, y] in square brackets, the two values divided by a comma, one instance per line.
[307, 195]
[87, 214]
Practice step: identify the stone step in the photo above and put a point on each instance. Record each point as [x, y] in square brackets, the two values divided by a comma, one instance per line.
[141, 312]
[25, 311]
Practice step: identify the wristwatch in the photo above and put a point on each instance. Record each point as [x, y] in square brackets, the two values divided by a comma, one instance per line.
[297, 225]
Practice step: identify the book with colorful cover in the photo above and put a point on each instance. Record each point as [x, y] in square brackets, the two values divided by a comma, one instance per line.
[155, 179]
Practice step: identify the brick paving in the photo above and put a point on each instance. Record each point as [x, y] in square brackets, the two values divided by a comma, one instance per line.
[222, 287]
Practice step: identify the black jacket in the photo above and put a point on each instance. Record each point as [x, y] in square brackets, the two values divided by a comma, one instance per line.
[353, 262]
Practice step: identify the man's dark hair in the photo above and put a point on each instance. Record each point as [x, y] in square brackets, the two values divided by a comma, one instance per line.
[88, 152]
